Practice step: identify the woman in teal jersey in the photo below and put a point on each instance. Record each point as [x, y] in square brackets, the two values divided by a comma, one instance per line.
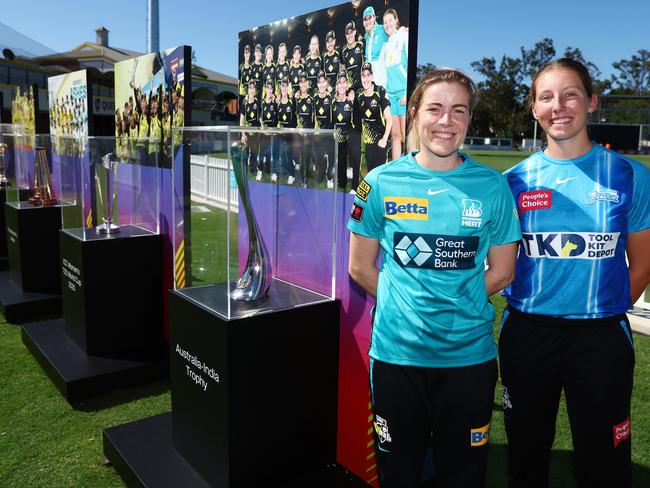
[582, 210]
[395, 59]
[436, 215]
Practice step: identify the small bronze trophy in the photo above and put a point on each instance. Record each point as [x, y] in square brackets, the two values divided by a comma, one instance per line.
[4, 182]
[43, 194]
[255, 280]
[105, 176]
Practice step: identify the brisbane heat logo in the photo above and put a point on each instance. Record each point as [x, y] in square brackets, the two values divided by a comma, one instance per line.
[406, 208]
[576, 245]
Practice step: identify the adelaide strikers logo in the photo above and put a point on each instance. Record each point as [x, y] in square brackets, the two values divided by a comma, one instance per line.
[472, 212]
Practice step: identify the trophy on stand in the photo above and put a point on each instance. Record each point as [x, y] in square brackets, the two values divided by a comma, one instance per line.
[254, 282]
[43, 194]
[4, 182]
[105, 177]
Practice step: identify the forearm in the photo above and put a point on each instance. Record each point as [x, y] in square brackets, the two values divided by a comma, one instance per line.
[496, 281]
[639, 279]
[367, 278]
[389, 123]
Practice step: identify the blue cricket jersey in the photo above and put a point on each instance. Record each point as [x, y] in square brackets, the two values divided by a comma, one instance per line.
[575, 218]
[435, 229]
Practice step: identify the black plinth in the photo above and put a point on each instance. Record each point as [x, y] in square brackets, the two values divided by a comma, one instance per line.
[112, 292]
[112, 333]
[142, 454]
[4, 259]
[79, 376]
[19, 306]
[30, 289]
[254, 400]
[33, 247]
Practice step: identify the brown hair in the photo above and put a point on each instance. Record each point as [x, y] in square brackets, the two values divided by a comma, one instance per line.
[563, 63]
[393, 12]
[438, 75]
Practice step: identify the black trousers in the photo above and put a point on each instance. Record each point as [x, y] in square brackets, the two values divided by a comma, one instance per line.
[448, 408]
[375, 155]
[349, 154]
[253, 152]
[593, 361]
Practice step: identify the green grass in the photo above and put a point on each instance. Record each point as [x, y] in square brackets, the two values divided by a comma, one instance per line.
[502, 160]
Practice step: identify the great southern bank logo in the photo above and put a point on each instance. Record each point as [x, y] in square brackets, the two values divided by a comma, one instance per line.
[406, 208]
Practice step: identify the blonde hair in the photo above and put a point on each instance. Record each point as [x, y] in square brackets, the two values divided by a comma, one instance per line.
[438, 75]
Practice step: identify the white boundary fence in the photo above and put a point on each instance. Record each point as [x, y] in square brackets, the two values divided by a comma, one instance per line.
[209, 181]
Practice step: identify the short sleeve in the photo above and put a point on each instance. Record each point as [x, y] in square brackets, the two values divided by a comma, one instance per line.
[383, 99]
[639, 214]
[366, 216]
[504, 224]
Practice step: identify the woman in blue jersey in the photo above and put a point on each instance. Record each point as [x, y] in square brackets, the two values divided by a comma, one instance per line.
[395, 58]
[582, 208]
[436, 215]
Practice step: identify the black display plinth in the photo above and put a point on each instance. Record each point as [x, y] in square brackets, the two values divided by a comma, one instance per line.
[142, 454]
[79, 376]
[112, 292]
[254, 400]
[4, 259]
[31, 287]
[111, 335]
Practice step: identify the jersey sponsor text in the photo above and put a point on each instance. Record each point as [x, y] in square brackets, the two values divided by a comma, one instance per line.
[406, 208]
[576, 245]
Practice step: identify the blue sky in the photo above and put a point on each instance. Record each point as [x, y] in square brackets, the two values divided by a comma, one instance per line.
[451, 33]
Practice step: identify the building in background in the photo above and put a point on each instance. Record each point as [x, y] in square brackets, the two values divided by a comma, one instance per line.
[22, 63]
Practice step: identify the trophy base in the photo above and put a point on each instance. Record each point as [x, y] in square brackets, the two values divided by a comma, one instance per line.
[108, 229]
[42, 202]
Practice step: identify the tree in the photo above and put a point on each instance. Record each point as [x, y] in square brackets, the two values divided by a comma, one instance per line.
[423, 70]
[634, 73]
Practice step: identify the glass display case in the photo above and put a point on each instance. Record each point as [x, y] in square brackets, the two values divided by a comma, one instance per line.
[8, 136]
[254, 218]
[109, 191]
[40, 171]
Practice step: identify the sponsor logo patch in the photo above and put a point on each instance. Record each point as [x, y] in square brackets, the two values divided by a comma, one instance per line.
[406, 208]
[363, 189]
[472, 213]
[480, 436]
[602, 194]
[535, 200]
[357, 212]
[433, 251]
[381, 428]
[577, 245]
[621, 431]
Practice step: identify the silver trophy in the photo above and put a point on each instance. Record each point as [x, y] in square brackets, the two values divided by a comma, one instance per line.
[105, 178]
[254, 282]
[4, 182]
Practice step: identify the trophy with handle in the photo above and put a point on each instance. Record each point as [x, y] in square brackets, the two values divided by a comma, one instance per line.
[255, 280]
[105, 177]
[4, 182]
[43, 194]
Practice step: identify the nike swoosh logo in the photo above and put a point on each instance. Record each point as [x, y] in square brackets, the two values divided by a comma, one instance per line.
[435, 192]
[558, 181]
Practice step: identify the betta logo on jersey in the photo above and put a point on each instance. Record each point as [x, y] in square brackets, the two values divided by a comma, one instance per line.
[480, 436]
[535, 200]
[406, 208]
[602, 194]
[577, 245]
[432, 251]
[621, 431]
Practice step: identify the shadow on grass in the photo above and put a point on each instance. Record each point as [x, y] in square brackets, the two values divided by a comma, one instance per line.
[561, 472]
[119, 397]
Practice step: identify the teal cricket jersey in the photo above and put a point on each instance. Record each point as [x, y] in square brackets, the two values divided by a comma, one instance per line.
[435, 229]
